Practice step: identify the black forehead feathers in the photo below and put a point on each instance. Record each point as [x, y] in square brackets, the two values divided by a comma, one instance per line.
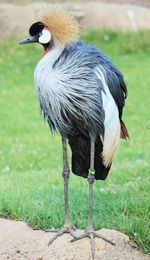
[36, 28]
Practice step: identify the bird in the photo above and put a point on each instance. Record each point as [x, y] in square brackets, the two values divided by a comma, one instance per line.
[82, 95]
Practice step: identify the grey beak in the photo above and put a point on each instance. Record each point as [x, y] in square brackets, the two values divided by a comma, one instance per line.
[30, 39]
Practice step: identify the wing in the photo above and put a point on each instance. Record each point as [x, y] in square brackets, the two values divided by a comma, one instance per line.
[115, 82]
[114, 77]
[117, 88]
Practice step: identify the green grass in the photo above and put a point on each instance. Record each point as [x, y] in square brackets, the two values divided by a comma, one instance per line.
[31, 189]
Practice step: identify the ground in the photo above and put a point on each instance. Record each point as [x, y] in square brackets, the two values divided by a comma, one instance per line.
[19, 241]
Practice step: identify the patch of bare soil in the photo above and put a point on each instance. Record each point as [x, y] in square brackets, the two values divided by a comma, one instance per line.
[16, 19]
[19, 242]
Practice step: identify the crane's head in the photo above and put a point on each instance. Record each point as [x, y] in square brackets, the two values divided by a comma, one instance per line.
[39, 33]
[55, 26]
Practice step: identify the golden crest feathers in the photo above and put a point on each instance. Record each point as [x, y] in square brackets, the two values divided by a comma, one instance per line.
[63, 26]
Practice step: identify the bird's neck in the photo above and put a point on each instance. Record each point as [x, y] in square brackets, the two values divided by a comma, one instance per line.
[52, 53]
[45, 51]
[47, 48]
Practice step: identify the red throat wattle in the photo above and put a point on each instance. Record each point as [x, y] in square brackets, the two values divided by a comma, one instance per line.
[45, 52]
[45, 28]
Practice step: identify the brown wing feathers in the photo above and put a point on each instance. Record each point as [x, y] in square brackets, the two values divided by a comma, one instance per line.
[124, 132]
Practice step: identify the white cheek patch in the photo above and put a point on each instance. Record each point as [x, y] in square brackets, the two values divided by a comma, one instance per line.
[45, 37]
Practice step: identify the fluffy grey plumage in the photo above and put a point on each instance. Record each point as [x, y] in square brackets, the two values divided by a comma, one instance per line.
[69, 89]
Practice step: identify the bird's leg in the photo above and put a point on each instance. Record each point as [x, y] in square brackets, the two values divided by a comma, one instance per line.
[67, 228]
[89, 232]
[65, 174]
[91, 179]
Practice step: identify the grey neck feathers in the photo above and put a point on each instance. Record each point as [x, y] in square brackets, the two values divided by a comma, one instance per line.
[52, 56]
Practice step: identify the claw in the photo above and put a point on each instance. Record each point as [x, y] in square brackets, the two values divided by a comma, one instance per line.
[91, 235]
[78, 238]
[66, 229]
[59, 233]
[105, 239]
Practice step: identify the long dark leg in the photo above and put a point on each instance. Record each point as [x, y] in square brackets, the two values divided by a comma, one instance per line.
[90, 230]
[67, 228]
[65, 174]
[91, 179]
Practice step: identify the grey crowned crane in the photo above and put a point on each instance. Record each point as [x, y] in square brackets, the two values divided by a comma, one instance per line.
[81, 95]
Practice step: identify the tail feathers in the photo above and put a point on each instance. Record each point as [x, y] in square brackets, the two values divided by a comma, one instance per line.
[80, 146]
[124, 132]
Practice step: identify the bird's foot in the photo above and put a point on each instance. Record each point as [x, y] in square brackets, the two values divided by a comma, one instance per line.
[90, 233]
[66, 229]
[55, 230]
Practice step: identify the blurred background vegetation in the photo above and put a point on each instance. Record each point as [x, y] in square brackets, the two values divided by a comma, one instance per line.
[31, 187]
